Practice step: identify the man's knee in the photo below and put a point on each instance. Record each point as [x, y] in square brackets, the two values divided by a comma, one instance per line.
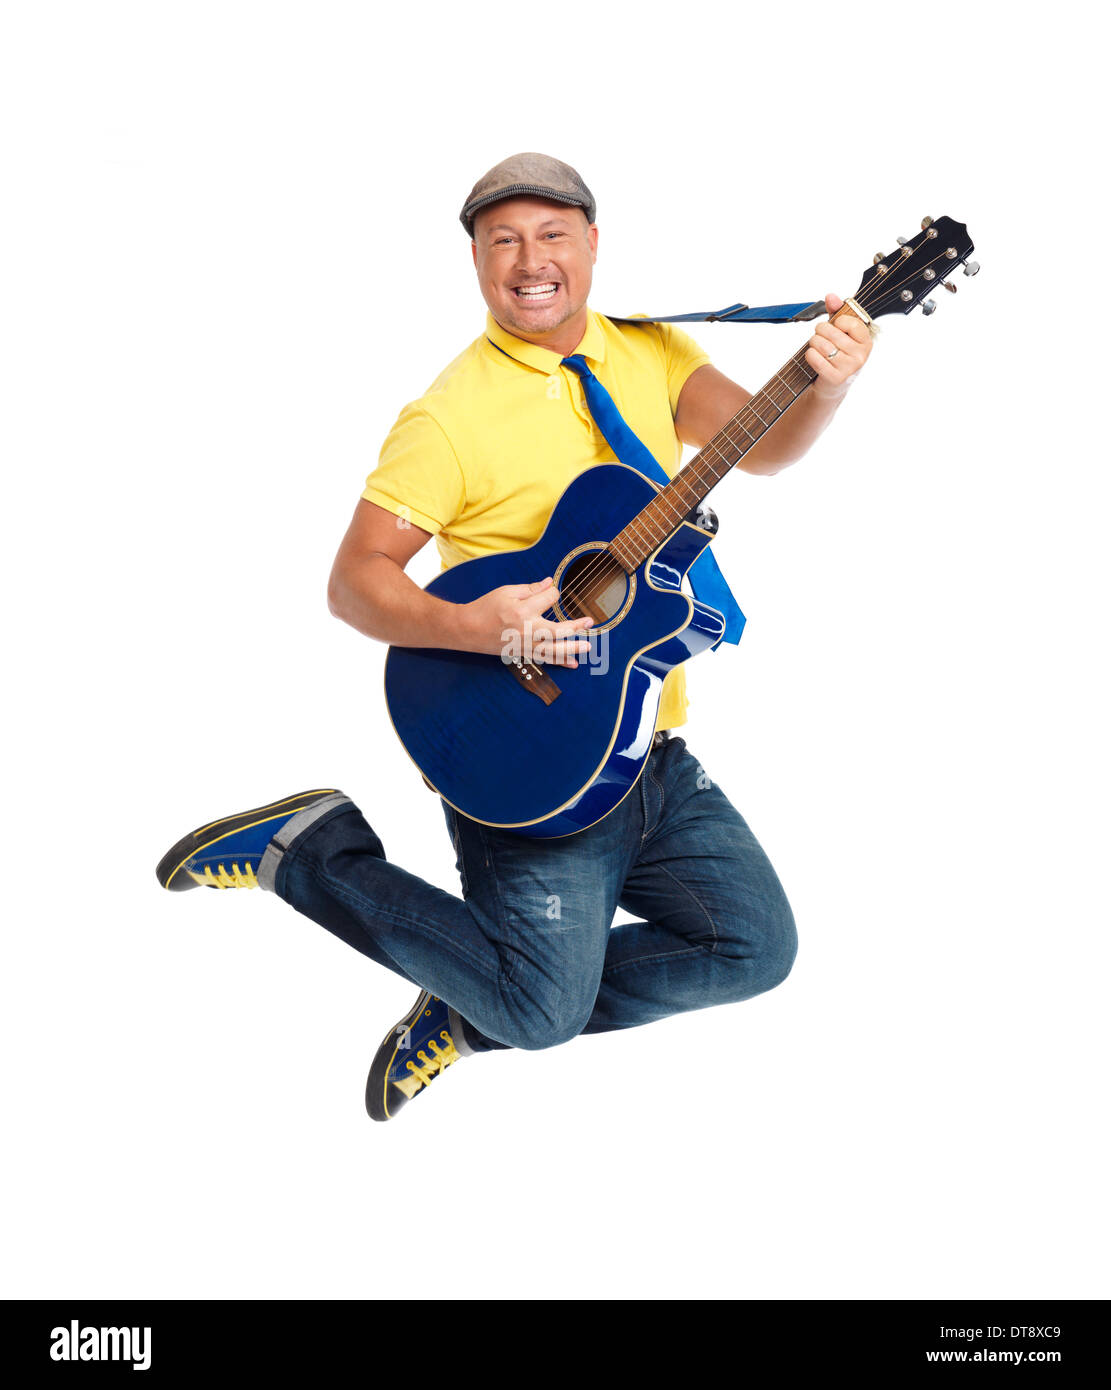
[780, 945]
[763, 947]
[534, 1028]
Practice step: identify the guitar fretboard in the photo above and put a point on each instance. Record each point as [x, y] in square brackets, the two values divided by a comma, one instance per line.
[664, 514]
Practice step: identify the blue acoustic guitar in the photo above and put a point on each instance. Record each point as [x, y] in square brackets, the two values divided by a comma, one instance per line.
[547, 750]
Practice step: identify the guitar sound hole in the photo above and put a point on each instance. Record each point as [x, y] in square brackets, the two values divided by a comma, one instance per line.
[593, 585]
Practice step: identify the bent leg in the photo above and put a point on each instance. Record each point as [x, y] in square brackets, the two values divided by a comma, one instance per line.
[519, 957]
[717, 925]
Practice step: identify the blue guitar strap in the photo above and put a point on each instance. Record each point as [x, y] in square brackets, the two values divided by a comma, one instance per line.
[738, 313]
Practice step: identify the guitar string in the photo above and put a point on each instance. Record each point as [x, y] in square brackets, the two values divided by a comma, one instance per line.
[879, 287]
[693, 469]
[796, 362]
[605, 561]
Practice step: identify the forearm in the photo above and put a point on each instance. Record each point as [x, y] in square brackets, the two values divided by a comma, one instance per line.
[709, 400]
[376, 597]
[793, 434]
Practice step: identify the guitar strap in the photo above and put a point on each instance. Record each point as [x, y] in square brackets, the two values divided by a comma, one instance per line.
[738, 313]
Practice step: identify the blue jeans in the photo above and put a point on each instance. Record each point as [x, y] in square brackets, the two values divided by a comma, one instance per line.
[529, 956]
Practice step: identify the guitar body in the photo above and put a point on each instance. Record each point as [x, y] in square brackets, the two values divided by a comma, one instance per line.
[482, 735]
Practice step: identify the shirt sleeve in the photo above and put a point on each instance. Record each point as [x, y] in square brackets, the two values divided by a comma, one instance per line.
[418, 475]
[682, 356]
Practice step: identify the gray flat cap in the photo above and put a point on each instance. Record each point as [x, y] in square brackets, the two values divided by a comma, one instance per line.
[528, 176]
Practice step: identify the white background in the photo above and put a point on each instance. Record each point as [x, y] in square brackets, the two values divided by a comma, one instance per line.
[232, 254]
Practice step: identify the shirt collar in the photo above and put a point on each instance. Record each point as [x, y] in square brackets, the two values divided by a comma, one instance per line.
[593, 345]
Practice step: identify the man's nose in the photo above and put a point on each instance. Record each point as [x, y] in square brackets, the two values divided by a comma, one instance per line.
[532, 256]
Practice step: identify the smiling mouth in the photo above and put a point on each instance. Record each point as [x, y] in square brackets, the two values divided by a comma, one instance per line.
[536, 294]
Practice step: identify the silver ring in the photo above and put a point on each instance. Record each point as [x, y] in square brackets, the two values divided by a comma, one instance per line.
[833, 354]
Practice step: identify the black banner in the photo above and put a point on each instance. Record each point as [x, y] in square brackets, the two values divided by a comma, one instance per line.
[868, 1341]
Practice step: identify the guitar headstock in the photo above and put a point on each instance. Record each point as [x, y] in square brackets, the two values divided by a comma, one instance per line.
[895, 284]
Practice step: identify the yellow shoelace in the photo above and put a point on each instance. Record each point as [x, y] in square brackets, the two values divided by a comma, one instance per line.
[238, 878]
[430, 1067]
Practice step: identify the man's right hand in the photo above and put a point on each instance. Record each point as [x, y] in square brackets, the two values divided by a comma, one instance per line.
[507, 622]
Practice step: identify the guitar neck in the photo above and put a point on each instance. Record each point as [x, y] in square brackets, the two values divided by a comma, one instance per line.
[667, 511]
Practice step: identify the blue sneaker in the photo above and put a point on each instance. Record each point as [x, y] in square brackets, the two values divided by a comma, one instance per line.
[226, 853]
[413, 1053]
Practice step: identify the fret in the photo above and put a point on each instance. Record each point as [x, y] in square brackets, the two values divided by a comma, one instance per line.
[714, 461]
[659, 530]
[736, 420]
[618, 549]
[766, 423]
[787, 384]
[683, 482]
[713, 444]
[757, 425]
[685, 501]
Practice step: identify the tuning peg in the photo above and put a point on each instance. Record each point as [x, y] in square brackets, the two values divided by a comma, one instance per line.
[972, 268]
[877, 258]
[926, 222]
[901, 240]
[928, 306]
[950, 287]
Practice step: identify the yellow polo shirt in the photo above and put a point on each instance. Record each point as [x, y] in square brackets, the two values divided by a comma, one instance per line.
[481, 459]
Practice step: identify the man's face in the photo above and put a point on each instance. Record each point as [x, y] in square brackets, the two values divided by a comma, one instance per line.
[535, 263]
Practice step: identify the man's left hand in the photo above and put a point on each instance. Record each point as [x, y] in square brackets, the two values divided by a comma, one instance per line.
[853, 342]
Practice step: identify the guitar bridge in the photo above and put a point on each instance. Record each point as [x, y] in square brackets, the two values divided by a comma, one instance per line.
[536, 681]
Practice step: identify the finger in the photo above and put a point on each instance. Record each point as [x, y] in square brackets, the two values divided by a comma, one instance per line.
[558, 632]
[833, 303]
[539, 657]
[566, 658]
[827, 335]
[540, 603]
[856, 328]
[821, 350]
[553, 641]
[825, 368]
[560, 653]
[845, 360]
[536, 601]
[575, 627]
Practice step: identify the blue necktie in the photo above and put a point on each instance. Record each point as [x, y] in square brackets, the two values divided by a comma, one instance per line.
[707, 581]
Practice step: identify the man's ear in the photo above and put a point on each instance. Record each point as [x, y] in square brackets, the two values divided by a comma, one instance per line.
[474, 253]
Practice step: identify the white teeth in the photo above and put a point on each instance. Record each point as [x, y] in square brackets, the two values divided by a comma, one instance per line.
[537, 291]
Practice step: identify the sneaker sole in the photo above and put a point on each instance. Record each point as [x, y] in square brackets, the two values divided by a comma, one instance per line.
[377, 1103]
[168, 870]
